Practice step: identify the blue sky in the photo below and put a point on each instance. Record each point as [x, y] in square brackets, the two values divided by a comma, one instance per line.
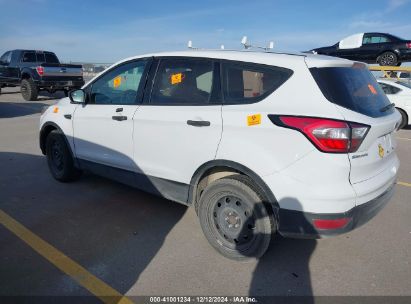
[107, 31]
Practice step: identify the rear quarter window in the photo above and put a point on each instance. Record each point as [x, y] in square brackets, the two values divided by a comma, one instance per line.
[354, 88]
[245, 83]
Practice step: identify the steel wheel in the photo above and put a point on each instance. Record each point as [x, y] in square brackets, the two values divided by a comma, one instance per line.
[234, 221]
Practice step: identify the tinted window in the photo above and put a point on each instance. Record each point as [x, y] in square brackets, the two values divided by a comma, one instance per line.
[51, 58]
[389, 89]
[354, 88]
[40, 57]
[6, 58]
[247, 83]
[375, 39]
[183, 82]
[120, 85]
[29, 57]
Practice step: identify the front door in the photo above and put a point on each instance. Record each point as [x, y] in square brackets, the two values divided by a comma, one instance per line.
[103, 127]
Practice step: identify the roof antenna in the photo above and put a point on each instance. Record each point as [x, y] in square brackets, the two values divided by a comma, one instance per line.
[248, 45]
[190, 45]
[245, 43]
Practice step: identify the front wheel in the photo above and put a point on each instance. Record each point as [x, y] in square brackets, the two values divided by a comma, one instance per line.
[387, 59]
[59, 158]
[234, 219]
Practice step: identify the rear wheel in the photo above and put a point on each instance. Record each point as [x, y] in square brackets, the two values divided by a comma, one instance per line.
[234, 219]
[29, 90]
[387, 59]
[59, 159]
[404, 121]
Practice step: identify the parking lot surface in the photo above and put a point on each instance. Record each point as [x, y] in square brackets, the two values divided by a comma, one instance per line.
[115, 238]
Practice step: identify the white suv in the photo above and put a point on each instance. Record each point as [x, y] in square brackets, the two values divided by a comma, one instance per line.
[257, 142]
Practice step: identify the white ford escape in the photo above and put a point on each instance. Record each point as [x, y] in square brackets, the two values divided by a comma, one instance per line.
[257, 142]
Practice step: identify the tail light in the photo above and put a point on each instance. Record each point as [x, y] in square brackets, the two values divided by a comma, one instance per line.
[40, 70]
[408, 44]
[327, 135]
[329, 224]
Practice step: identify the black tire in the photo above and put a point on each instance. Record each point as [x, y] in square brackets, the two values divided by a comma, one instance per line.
[29, 90]
[404, 121]
[59, 158]
[234, 218]
[387, 59]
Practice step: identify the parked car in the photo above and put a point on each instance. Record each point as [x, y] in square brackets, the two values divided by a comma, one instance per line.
[399, 93]
[384, 49]
[258, 143]
[35, 71]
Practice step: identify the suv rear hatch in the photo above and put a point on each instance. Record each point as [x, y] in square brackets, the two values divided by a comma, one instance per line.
[359, 98]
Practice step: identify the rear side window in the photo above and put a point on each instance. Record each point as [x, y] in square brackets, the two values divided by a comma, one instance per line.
[184, 82]
[29, 57]
[40, 57]
[248, 83]
[51, 58]
[354, 88]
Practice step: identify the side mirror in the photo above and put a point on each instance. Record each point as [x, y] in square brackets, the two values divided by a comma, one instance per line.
[77, 96]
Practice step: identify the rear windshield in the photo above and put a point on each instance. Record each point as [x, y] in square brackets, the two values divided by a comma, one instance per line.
[51, 58]
[354, 88]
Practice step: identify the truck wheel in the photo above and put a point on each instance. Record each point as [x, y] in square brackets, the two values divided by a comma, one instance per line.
[234, 219]
[387, 59]
[59, 158]
[404, 121]
[28, 90]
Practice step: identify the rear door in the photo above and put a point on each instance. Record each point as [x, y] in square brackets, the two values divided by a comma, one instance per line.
[360, 99]
[179, 126]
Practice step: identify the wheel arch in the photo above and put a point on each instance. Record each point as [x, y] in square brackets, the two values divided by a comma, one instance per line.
[217, 169]
[45, 131]
[405, 113]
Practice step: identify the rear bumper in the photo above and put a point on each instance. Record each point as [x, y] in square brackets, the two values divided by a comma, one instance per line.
[300, 224]
[405, 54]
[65, 84]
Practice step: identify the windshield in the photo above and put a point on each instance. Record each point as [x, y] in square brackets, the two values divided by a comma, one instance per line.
[407, 85]
[354, 88]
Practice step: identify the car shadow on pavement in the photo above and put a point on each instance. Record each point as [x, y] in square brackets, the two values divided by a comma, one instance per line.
[112, 230]
[17, 109]
[283, 271]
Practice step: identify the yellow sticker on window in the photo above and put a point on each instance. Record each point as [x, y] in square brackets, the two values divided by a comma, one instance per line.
[254, 119]
[176, 78]
[372, 89]
[117, 82]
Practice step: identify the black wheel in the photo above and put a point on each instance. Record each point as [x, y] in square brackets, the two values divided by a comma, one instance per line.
[404, 121]
[59, 158]
[234, 219]
[29, 90]
[387, 59]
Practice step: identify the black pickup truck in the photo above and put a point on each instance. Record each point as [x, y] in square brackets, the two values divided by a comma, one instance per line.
[36, 71]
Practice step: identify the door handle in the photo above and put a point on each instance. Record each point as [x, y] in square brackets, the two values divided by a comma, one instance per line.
[119, 110]
[198, 123]
[119, 118]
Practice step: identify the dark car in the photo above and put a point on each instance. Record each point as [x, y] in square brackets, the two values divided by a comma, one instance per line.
[35, 71]
[384, 49]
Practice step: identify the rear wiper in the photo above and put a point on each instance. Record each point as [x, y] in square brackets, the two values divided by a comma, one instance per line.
[387, 107]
